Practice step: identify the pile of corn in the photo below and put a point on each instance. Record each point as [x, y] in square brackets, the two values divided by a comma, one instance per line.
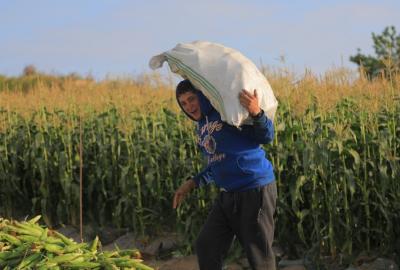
[27, 245]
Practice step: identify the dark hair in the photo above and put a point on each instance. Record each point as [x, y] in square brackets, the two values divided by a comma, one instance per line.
[183, 87]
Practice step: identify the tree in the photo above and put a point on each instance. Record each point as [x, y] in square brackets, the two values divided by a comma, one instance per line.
[29, 70]
[387, 50]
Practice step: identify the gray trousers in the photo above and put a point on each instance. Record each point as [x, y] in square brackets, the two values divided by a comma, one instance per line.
[248, 215]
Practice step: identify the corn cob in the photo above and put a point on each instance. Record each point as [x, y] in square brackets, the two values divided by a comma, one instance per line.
[10, 263]
[34, 220]
[28, 238]
[54, 240]
[73, 247]
[80, 259]
[27, 231]
[30, 261]
[133, 263]
[132, 253]
[54, 248]
[29, 227]
[65, 239]
[43, 236]
[83, 265]
[64, 258]
[94, 244]
[11, 239]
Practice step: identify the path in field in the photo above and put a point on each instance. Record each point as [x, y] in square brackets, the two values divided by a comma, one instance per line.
[153, 249]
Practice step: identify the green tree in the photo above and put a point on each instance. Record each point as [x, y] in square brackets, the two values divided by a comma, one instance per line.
[387, 50]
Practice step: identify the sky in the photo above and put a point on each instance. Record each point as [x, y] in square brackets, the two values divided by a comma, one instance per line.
[112, 38]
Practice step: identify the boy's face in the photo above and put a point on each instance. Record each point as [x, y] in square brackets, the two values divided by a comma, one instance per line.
[190, 104]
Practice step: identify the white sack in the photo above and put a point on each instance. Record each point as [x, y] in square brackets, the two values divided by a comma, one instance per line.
[220, 73]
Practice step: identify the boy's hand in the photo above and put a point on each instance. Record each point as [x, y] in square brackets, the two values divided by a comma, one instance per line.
[182, 191]
[250, 102]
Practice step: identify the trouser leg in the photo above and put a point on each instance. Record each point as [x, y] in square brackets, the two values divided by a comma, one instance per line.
[214, 239]
[256, 226]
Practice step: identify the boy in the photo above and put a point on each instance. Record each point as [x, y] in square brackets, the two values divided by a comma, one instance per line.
[237, 165]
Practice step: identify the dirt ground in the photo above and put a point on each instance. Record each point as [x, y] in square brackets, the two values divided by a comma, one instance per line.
[189, 263]
[151, 249]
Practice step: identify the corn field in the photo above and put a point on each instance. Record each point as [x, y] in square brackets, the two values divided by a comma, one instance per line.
[336, 157]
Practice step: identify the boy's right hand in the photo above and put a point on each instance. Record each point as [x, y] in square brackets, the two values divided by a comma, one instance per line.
[182, 191]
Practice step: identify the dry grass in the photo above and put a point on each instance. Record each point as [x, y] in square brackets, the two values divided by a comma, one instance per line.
[326, 91]
[151, 92]
[86, 96]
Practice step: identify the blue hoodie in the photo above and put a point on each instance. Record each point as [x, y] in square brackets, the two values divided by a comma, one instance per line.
[236, 162]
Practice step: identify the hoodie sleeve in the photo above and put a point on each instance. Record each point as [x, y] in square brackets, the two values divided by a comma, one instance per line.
[204, 177]
[262, 130]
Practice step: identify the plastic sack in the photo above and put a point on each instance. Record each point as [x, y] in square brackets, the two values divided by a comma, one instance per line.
[220, 73]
